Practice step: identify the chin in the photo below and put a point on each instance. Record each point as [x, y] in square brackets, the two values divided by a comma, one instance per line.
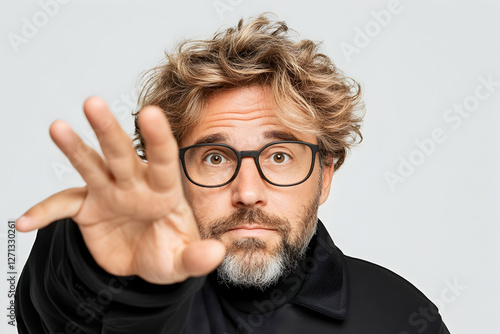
[252, 263]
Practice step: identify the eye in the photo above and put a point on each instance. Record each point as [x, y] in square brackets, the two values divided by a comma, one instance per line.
[215, 159]
[280, 157]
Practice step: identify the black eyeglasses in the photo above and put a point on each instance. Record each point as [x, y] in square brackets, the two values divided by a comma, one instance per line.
[280, 163]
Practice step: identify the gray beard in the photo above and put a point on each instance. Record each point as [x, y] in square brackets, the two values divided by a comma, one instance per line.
[256, 269]
[249, 263]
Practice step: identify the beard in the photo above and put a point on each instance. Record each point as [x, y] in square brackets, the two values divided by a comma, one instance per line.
[254, 263]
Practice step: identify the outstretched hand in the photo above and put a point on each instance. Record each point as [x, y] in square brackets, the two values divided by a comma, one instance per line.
[133, 215]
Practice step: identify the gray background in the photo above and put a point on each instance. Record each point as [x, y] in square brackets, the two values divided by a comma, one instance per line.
[437, 228]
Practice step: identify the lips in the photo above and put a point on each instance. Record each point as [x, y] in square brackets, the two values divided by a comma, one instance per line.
[251, 231]
[251, 227]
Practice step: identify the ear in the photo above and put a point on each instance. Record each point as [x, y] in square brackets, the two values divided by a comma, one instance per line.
[328, 169]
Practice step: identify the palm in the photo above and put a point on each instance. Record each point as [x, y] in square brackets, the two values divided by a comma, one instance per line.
[135, 239]
[132, 215]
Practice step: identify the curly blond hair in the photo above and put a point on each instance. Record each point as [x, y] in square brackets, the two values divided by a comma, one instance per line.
[312, 95]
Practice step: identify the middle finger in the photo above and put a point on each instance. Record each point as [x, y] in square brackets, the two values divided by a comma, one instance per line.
[115, 143]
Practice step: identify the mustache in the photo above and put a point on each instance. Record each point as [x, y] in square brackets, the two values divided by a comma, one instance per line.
[248, 217]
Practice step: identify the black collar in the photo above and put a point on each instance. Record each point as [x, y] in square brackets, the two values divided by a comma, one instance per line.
[320, 282]
[326, 286]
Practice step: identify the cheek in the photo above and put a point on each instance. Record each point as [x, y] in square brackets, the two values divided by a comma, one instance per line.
[207, 203]
[296, 205]
[294, 199]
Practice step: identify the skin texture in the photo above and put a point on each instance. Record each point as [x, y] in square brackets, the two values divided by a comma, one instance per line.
[245, 118]
[130, 214]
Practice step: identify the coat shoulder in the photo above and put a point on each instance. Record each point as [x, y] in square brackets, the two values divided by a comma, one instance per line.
[383, 298]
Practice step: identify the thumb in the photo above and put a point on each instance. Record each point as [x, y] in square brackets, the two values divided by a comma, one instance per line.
[61, 205]
[202, 257]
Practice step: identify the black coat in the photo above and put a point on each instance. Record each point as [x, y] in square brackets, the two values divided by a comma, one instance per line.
[62, 290]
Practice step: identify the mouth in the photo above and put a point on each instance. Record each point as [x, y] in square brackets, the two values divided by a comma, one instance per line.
[251, 231]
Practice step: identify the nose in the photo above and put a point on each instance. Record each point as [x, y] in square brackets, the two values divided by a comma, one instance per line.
[248, 188]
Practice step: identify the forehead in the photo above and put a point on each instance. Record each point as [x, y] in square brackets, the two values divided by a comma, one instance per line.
[246, 116]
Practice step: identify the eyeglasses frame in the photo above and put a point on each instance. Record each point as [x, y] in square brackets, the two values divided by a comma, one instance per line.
[255, 155]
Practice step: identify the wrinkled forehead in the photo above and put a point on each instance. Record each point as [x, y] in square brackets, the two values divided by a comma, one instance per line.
[246, 116]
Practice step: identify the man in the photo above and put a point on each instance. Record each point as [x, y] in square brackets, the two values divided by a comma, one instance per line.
[221, 235]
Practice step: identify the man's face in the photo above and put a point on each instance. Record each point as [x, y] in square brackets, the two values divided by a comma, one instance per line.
[262, 226]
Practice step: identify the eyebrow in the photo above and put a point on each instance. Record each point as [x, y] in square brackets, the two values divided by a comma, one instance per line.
[211, 139]
[280, 135]
[223, 138]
